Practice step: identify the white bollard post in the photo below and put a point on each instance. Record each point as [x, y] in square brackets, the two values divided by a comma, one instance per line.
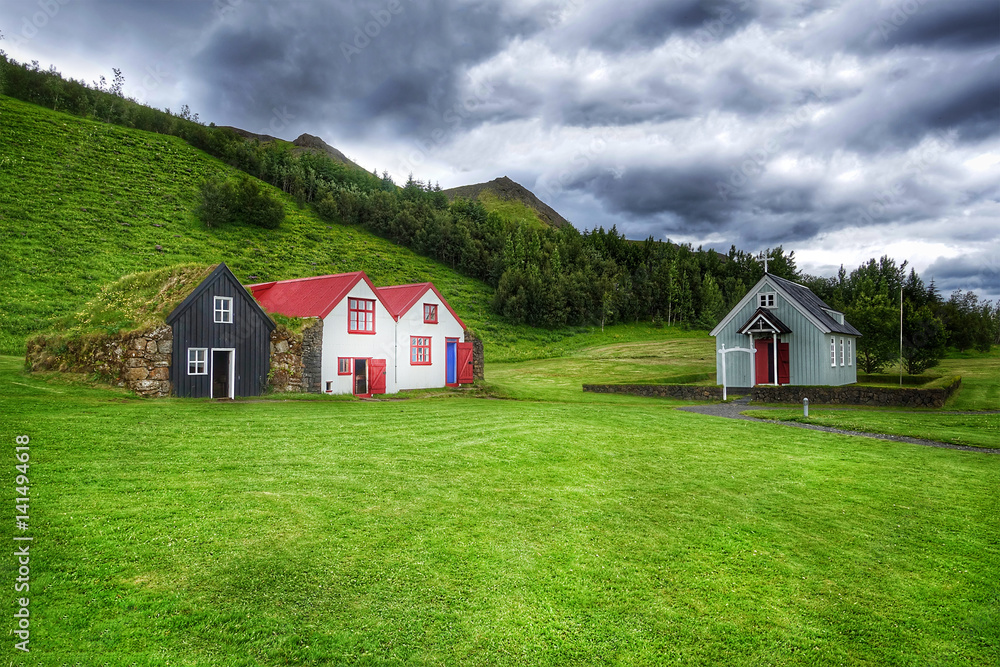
[805, 407]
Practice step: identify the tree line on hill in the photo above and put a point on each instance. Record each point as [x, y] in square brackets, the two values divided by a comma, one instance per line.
[542, 276]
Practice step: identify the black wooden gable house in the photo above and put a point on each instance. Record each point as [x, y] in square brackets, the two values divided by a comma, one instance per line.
[222, 340]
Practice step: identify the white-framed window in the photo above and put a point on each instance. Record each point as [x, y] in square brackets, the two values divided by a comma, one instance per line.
[224, 309]
[841, 351]
[767, 300]
[833, 352]
[850, 352]
[329, 386]
[197, 361]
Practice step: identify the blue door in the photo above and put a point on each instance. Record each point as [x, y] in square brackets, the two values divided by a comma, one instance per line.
[451, 376]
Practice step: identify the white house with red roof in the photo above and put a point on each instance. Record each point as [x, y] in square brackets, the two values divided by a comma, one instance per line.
[376, 340]
[430, 334]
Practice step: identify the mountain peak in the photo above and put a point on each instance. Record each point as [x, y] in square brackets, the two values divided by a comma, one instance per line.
[507, 189]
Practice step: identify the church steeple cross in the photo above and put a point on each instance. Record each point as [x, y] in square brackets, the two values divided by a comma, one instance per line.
[765, 253]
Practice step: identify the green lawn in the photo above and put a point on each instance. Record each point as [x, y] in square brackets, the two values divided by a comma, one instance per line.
[980, 379]
[457, 530]
[975, 430]
[638, 354]
[980, 391]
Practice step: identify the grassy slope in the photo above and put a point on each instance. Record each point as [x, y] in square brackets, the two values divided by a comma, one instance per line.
[454, 530]
[84, 203]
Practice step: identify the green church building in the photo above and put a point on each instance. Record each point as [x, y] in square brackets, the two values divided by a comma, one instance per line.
[781, 333]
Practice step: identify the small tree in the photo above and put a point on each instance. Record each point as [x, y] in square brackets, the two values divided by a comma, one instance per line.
[873, 315]
[924, 340]
[242, 200]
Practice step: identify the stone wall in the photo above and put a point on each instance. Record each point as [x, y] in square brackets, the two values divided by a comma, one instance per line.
[685, 392]
[312, 357]
[905, 397]
[296, 359]
[478, 355]
[139, 360]
[286, 361]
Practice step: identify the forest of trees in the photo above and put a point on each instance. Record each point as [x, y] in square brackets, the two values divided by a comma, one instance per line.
[547, 276]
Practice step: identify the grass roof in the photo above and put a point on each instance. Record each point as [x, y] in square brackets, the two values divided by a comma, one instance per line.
[136, 301]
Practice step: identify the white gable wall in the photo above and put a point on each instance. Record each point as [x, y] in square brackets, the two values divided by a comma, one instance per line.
[338, 343]
[411, 323]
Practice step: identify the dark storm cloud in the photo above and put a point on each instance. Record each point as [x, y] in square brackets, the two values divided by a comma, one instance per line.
[916, 98]
[359, 66]
[976, 271]
[688, 194]
[685, 199]
[642, 24]
[927, 24]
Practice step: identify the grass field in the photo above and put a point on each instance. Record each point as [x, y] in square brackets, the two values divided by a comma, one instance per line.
[456, 530]
[980, 391]
[975, 430]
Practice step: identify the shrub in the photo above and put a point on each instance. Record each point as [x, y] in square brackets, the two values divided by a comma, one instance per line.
[241, 200]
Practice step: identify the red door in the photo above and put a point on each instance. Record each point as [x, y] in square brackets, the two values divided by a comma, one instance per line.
[464, 352]
[376, 377]
[763, 366]
[782, 363]
[764, 362]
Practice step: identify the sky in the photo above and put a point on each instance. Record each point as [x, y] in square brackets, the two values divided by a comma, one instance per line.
[841, 130]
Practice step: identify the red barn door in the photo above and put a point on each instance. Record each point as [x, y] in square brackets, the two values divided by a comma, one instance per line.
[376, 378]
[464, 363]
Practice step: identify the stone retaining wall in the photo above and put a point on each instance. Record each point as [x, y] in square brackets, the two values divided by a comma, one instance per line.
[296, 359]
[685, 392]
[312, 357]
[286, 361]
[139, 360]
[855, 395]
[478, 355]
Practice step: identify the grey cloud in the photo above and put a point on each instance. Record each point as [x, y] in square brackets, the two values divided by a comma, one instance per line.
[976, 271]
[870, 28]
[354, 66]
[898, 110]
[953, 25]
[641, 24]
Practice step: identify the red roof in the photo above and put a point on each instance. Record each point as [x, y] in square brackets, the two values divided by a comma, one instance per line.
[307, 297]
[398, 299]
[317, 296]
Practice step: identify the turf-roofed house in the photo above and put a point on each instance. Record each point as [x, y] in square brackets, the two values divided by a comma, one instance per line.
[376, 340]
[221, 340]
[781, 333]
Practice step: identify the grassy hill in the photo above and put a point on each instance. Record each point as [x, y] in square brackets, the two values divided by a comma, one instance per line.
[507, 196]
[84, 203]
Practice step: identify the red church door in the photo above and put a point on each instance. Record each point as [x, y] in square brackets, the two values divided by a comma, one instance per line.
[763, 366]
[782, 363]
[465, 374]
[764, 362]
[376, 378]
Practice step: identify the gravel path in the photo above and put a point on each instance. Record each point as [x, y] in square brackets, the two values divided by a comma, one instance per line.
[732, 410]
